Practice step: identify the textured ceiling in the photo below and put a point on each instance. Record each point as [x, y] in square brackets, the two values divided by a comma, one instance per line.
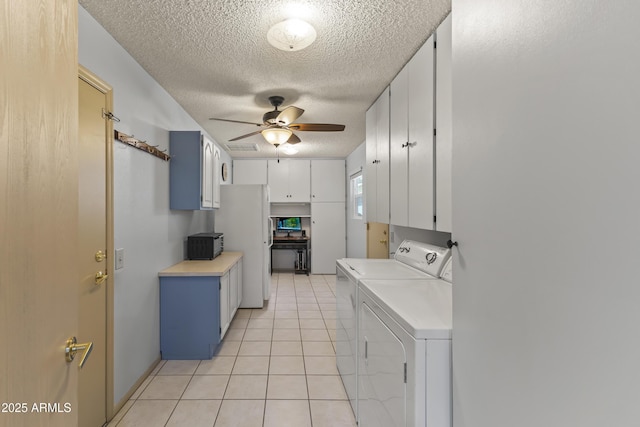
[214, 59]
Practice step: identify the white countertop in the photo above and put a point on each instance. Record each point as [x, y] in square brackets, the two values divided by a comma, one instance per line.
[215, 267]
[422, 307]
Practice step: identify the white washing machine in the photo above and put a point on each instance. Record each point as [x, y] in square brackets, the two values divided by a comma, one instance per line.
[404, 359]
[412, 261]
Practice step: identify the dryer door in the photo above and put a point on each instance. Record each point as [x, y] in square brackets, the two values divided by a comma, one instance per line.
[382, 385]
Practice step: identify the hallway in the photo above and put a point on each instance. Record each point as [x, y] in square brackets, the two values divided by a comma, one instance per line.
[276, 367]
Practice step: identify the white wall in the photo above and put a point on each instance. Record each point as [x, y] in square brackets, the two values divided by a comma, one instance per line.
[356, 228]
[398, 234]
[546, 208]
[152, 235]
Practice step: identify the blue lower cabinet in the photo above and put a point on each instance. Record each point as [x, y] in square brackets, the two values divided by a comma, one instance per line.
[189, 317]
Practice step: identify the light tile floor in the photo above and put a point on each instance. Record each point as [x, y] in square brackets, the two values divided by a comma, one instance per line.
[276, 367]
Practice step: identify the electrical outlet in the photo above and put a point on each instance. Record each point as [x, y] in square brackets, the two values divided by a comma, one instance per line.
[119, 259]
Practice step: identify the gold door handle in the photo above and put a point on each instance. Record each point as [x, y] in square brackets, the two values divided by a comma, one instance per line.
[101, 277]
[384, 242]
[72, 348]
[100, 256]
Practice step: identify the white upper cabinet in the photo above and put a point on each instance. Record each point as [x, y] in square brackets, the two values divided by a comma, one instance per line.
[250, 171]
[377, 160]
[328, 181]
[289, 180]
[411, 142]
[443, 126]
[398, 148]
[207, 174]
[217, 165]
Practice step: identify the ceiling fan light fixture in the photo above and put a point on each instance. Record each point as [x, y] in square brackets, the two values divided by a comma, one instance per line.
[289, 149]
[291, 35]
[276, 136]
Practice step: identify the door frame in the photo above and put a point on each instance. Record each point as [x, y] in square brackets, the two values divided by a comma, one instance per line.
[105, 88]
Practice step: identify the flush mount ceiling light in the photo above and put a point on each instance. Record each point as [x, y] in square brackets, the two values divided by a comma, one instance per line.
[276, 136]
[291, 35]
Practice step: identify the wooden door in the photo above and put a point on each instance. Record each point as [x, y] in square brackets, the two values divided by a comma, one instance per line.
[38, 212]
[95, 268]
[377, 240]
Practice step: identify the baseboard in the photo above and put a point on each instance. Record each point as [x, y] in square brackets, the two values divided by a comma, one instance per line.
[134, 387]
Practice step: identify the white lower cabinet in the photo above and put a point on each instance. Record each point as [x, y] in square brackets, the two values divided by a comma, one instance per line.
[230, 296]
[225, 318]
[328, 233]
[233, 291]
[239, 265]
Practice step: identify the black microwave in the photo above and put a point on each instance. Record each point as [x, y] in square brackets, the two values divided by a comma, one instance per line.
[204, 246]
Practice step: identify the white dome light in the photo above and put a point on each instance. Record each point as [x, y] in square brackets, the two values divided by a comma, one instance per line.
[291, 35]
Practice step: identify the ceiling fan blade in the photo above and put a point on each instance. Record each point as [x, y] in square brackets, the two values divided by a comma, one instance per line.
[245, 136]
[236, 121]
[288, 115]
[293, 139]
[316, 127]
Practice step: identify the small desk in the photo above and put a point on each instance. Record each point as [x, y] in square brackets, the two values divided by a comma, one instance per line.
[297, 243]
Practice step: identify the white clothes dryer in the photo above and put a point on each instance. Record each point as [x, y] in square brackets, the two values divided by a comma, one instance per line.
[404, 359]
[412, 261]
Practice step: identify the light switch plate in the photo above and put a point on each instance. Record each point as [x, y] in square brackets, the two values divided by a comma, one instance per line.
[119, 259]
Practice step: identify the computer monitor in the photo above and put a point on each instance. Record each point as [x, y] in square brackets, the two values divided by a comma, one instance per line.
[289, 224]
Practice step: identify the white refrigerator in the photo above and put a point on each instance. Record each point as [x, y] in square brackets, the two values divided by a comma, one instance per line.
[243, 218]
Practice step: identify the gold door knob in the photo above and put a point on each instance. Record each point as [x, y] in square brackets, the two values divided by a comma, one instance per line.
[100, 256]
[384, 242]
[101, 277]
[72, 348]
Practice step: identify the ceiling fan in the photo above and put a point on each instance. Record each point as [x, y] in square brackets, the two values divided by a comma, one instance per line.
[279, 124]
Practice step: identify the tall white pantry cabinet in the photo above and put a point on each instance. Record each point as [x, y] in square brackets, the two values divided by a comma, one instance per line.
[328, 215]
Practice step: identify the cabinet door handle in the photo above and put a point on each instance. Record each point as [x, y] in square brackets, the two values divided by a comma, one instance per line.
[406, 144]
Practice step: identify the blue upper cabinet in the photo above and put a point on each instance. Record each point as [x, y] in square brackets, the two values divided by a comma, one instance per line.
[194, 183]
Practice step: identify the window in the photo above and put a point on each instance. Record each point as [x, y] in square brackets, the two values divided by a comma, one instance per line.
[357, 207]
